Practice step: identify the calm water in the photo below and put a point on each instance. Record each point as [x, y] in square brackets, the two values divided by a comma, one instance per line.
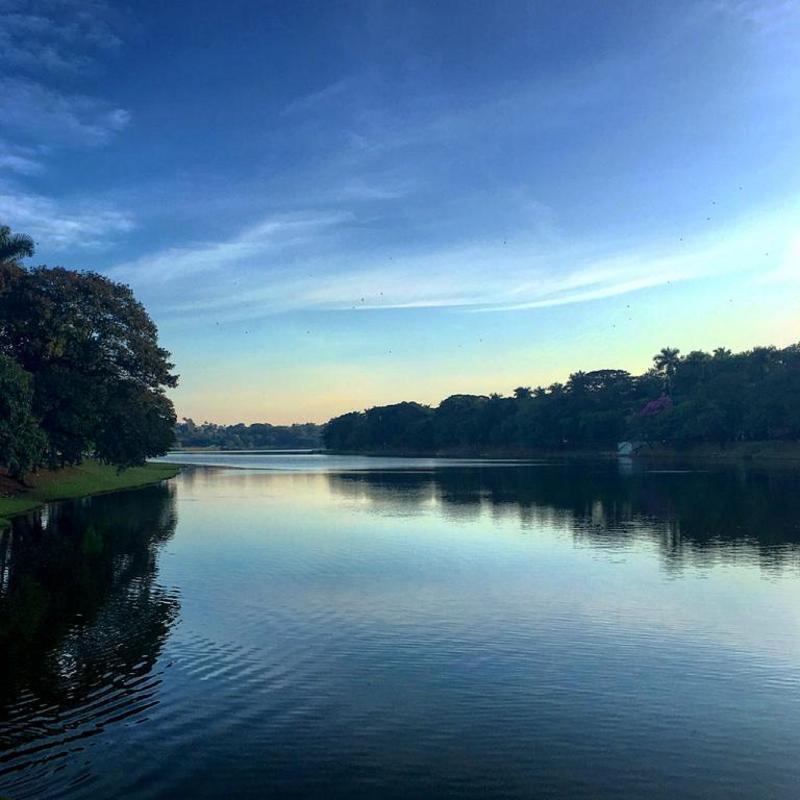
[318, 627]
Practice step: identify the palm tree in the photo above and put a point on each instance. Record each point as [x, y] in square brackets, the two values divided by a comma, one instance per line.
[522, 392]
[666, 362]
[14, 246]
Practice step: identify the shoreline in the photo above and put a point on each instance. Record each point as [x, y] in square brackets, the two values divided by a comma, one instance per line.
[770, 452]
[749, 452]
[84, 480]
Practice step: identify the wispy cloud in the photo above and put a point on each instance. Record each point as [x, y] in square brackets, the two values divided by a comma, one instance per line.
[69, 224]
[767, 17]
[22, 160]
[293, 263]
[40, 45]
[59, 37]
[318, 99]
[36, 114]
[254, 246]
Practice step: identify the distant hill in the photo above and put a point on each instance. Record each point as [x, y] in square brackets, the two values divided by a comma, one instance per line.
[258, 436]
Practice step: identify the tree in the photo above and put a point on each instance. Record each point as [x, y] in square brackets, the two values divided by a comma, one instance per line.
[259, 435]
[666, 362]
[346, 432]
[99, 374]
[721, 398]
[457, 421]
[14, 246]
[397, 426]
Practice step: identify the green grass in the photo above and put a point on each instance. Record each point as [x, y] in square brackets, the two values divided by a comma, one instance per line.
[91, 477]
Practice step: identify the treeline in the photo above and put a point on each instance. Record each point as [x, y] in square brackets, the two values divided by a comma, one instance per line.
[258, 436]
[81, 370]
[717, 397]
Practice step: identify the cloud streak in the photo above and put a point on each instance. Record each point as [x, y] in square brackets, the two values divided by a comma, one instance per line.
[67, 224]
[40, 45]
[253, 245]
[21, 160]
[308, 262]
[62, 41]
[39, 114]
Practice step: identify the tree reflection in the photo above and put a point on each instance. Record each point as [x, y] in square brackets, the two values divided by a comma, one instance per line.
[82, 615]
[691, 514]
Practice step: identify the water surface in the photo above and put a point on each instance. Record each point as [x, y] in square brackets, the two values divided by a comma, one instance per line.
[309, 626]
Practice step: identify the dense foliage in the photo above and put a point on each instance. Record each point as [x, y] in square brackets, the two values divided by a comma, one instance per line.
[22, 442]
[259, 436]
[81, 367]
[717, 397]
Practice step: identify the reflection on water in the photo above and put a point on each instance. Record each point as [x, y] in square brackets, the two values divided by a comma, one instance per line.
[82, 621]
[444, 629]
[699, 515]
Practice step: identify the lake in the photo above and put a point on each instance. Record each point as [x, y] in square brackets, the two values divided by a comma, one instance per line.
[299, 625]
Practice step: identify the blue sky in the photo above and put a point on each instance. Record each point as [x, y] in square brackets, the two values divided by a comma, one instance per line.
[331, 205]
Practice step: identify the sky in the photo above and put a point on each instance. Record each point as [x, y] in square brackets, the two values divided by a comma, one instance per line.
[331, 205]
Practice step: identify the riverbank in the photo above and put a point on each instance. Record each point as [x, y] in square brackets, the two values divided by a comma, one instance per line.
[88, 478]
[765, 451]
[762, 451]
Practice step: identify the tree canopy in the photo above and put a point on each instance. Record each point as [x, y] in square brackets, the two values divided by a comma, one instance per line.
[714, 397]
[85, 353]
[258, 436]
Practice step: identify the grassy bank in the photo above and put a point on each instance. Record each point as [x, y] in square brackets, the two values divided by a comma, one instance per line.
[88, 478]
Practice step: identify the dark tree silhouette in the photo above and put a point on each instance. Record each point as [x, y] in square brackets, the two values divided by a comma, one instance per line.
[666, 362]
[717, 398]
[91, 353]
[258, 436]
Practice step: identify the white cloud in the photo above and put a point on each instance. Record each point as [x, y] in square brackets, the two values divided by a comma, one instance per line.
[254, 244]
[39, 114]
[62, 224]
[41, 43]
[306, 262]
[22, 160]
[62, 40]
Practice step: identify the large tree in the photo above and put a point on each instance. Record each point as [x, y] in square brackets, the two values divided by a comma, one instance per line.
[666, 361]
[99, 374]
